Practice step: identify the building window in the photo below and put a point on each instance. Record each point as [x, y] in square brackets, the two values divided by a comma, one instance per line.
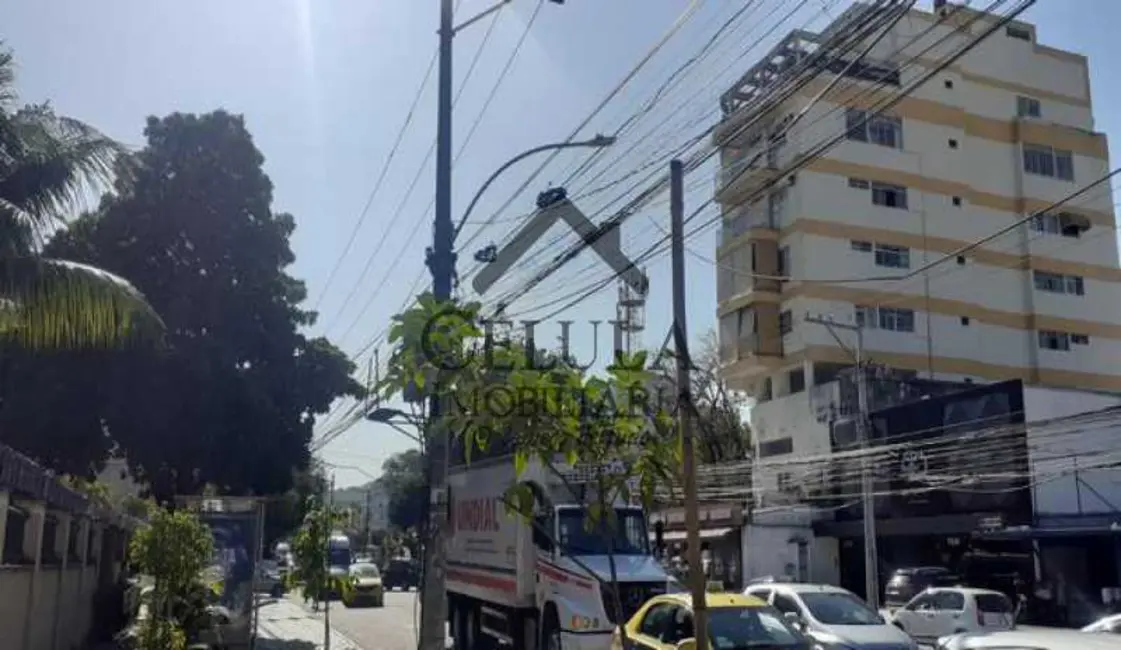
[1012, 31]
[1061, 341]
[785, 322]
[797, 380]
[889, 196]
[949, 84]
[1049, 340]
[956, 201]
[891, 319]
[883, 130]
[858, 184]
[779, 447]
[1042, 160]
[896, 320]
[895, 257]
[1028, 107]
[961, 260]
[784, 261]
[1057, 224]
[965, 321]
[1059, 283]
[865, 317]
[953, 143]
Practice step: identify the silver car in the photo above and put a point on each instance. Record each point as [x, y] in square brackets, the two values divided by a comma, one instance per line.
[832, 616]
[1032, 639]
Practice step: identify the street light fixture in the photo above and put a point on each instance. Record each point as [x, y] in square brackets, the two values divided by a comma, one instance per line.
[600, 141]
[387, 416]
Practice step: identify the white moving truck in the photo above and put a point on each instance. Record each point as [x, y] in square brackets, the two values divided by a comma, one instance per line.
[509, 584]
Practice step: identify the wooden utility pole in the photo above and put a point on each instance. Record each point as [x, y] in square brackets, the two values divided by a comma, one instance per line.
[685, 404]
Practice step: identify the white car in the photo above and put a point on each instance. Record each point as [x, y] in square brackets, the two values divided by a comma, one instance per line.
[833, 617]
[1107, 625]
[1033, 639]
[944, 611]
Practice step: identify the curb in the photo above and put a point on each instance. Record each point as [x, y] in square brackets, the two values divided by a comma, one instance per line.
[339, 641]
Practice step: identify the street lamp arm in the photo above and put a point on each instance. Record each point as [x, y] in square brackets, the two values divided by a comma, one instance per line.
[479, 16]
[597, 142]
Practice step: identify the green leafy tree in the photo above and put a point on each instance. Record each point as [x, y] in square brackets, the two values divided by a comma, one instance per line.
[309, 548]
[47, 162]
[238, 379]
[723, 435]
[174, 548]
[406, 485]
[539, 408]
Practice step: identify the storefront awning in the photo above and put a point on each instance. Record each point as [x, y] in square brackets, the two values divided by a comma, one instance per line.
[706, 533]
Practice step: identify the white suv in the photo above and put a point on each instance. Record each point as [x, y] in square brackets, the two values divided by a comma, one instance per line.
[833, 617]
[942, 611]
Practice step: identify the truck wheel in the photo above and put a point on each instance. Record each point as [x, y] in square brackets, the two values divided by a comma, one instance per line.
[551, 632]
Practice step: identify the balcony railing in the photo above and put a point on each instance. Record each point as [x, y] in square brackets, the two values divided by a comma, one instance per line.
[746, 165]
[748, 346]
[745, 220]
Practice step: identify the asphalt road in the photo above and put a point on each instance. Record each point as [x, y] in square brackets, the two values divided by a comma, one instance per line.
[393, 627]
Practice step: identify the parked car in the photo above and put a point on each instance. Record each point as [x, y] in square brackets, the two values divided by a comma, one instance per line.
[766, 580]
[270, 579]
[401, 572]
[366, 586]
[1028, 639]
[908, 582]
[943, 611]
[1108, 625]
[833, 617]
[734, 621]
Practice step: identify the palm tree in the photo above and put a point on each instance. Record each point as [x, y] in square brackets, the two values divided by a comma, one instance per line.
[48, 163]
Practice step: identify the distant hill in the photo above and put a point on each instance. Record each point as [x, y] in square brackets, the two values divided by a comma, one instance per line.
[353, 496]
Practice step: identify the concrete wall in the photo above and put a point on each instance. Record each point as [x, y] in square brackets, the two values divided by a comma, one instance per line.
[64, 595]
[771, 548]
[47, 601]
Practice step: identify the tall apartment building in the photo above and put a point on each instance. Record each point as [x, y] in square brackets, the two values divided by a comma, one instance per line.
[1003, 132]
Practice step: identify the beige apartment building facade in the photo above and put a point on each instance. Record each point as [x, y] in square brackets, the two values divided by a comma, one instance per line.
[1004, 132]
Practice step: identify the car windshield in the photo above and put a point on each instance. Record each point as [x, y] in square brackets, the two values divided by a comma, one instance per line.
[580, 537]
[836, 608]
[364, 571]
[739, 628]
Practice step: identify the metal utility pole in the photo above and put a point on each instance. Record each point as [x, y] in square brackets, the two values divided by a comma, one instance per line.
[685, 403]
[329, 504]
[369, 518]
[871, 555]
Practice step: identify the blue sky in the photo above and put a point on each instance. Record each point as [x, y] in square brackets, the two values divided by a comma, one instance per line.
[326, 85]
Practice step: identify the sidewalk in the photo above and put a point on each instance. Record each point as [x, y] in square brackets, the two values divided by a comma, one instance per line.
[285, 625]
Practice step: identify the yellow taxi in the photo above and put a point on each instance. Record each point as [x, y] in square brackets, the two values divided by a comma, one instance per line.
[735, 622]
